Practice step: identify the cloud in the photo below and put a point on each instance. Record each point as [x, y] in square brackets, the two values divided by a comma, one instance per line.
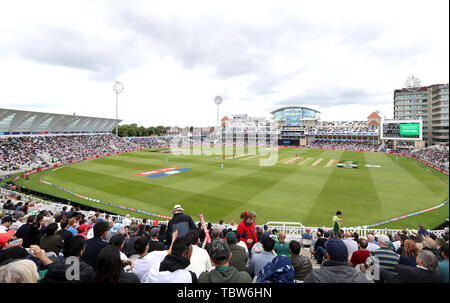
[328, 97]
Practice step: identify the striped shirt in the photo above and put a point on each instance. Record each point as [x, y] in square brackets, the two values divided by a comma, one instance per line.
[387, 258]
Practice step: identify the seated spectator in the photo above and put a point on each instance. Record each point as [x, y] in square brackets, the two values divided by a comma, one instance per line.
[241, 243]
[233, 225]
[118, 240]
[19, 271]
[146, 259]
[386, 257]
[307, 234]
[163, 237]
[403, 238]
[257, 248]
[372, 245]
[113, 230]
[63, 232]
[23, 230]
[396, 242]
[278, 270]
[50, 241]
[318, 250]
[154, 243]
[96, 244]
[200, 260]
[302, 265]
[425, 271]
[83, 230]
[172, 269]
[5, 241]
[281, 247]
[410, 252]
[360, 256]
[350, 243]
[443, 265]
[34, 235]
[72, 226]
[14, 253]
[430, 245]
[445, 236]
[6, 224]
[129, 242]
[336, 269]
[109, 267]
[221, 226]
[238, 256]
[223, 272]
[73, 247]
[258, 261]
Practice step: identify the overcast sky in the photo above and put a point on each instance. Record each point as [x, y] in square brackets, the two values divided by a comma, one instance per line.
[344, 58]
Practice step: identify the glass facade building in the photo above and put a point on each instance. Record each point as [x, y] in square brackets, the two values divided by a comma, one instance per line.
[295, 115]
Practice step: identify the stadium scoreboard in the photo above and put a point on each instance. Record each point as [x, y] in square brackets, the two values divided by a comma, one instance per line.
[401, 130]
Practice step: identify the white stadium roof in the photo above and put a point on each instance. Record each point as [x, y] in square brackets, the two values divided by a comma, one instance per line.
[16, 122]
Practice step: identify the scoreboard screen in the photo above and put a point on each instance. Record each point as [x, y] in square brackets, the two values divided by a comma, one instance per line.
[401, 130]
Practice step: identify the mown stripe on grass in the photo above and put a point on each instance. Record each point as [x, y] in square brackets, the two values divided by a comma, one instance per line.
[349, 190]
[418, 173]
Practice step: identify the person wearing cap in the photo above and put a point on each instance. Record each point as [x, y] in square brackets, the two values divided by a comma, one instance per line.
[5, 240]
[239, 257]
[336, 269]
[179, 222]
[220, 255]
[6, 224]
[154, 243]
[387, 258]
[114, 227]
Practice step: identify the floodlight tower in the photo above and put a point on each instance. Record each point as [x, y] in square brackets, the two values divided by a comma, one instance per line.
[117, 89]
[218, 100]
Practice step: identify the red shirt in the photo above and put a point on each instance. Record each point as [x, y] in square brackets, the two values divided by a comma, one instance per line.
[359, 257]
[247, 232]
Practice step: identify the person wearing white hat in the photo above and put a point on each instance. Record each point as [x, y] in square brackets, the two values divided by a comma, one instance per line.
[181, 222]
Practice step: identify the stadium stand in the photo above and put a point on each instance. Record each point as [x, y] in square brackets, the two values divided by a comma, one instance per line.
[27, 224]
[435, 155]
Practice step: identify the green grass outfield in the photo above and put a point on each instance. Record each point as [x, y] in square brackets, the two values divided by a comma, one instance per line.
[305, 193]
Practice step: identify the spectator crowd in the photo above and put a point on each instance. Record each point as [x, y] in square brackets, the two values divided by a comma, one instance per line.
[437, 156]
[342, 127]
[27, 153]
[348, 145]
